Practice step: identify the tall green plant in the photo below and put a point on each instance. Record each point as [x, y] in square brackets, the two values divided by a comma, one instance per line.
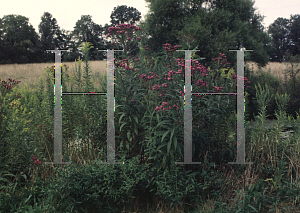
[77, 74]
[85, 47]
[146, 124]
[5, 105]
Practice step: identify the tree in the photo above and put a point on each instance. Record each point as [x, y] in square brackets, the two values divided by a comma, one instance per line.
[51, 35]
[280, 31]
[69, 43]
[226, 24]
[86, 30]
[164, 21]
[18, 39]
[124, 15]
[295, 34]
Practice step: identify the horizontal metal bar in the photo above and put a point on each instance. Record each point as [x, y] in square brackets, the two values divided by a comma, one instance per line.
[112, 49]
[239, 50]
[212, 93]
[188, 50]
[95, 93]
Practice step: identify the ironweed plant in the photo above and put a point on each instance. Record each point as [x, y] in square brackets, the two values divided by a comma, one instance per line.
[139, 93]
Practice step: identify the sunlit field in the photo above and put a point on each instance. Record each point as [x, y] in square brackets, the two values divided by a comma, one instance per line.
[277, 69]
[30, 73]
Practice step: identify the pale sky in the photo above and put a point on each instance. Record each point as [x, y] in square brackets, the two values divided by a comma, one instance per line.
[68, 12]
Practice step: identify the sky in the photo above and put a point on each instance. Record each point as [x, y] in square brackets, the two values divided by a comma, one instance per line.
[68, 12]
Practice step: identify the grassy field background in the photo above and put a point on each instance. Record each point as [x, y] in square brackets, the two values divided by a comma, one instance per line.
[277, 69]
[30, 73]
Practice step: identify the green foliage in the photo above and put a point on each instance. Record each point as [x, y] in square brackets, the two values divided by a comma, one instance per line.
[18, 39]
[226, 26]
[86, 30]
[123, 14]
[279, 31]
[149, 142]
[85, 47]
[274, 85]
[51, 35]
[294, 34]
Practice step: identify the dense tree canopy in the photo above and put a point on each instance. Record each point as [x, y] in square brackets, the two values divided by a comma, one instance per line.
[214, 26]
[285, 38]
[50, 35]
[295, 34]
[124, 15]
[279, 31]
[86, 30]
[18, 39]
[226, 24]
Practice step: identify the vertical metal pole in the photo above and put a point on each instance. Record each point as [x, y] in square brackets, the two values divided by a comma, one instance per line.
[57, 110]
[188, 112]
[110, 110]
[240, 109]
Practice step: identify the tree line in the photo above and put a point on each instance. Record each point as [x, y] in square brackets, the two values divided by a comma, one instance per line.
[214, 26]
[20, 43]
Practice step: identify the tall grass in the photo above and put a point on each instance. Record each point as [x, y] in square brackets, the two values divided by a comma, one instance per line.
[29, 74]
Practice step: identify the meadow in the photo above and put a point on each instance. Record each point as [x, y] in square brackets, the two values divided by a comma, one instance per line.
[149, 181]
[29, 73]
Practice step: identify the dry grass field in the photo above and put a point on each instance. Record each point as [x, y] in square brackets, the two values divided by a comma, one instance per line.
[276, 68]
[30, 73]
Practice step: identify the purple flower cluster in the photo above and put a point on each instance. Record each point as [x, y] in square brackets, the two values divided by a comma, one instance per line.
[123, 28]
[124, 65]
[169, 47]
[36, 161]
[125, 34]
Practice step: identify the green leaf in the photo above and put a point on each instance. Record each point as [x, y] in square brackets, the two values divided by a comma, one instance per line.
[135, 129]
[121, 117]
[162, 145]
[173, 130]
[175, 143]
[164, 135]
[169, 146]
[128, 136]
[136, 119]
[27, 199]
[161, 124]
[164, 160]
[122, 126]
[252, 207]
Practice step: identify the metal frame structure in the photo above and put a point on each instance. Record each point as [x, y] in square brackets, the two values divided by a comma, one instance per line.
[187, 109]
